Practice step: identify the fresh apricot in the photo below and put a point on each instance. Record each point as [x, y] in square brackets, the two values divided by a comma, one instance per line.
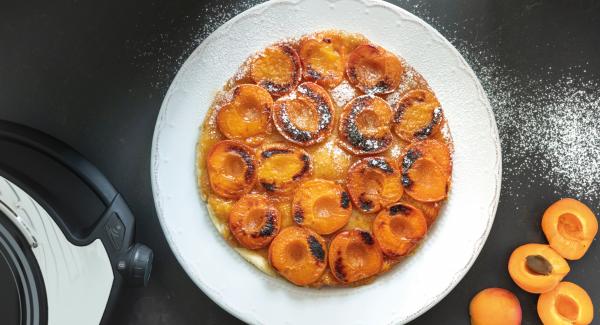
[246, 115]
[495, 306]
[434, 150]
[322, 206]
[354, 255]
[566, 304]
[570, 227]
[277, 69]
[254, 221]
[306, 116]
[374, 70]
[299, 255]
[322, 61]
[365, 125]
[537, 268]
[231, 168]
[417, 115]
[282, 167]
[374, 183]
[399, 228]
[423, 178]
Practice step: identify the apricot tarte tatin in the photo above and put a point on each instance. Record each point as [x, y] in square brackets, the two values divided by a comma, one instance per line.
[325, 160]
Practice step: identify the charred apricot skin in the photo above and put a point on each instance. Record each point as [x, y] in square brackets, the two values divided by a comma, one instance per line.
[399, 228]
[417, 115]
[306, 116]
[495, 306]
[423, 178]
[277, 69]
[354, 255]
[254, 221]
[322, 61]
[365, 125]
[374, 183]
[231, 167]
[570, 227]
[299, 255]
[282, 167]
[537, 268]
[374, 70]
[322, 206]
[566, 304]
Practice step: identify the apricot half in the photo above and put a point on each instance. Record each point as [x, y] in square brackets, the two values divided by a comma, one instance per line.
[231, 167]
[537, 268]
[374, 183]
[399, 228]
[254, 221]
[434, 150]
[354, 255]
[365, 125]
[277, 69]
[299, 255]
[495, 306]
[423, 178]
[322, 206]
[566, 304]
[322, 61]
[373, 69]
[306, 116]
[570, 227]
[282, 167]
[417, 115]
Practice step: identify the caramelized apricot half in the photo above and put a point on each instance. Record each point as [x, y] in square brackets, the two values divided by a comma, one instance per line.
[322, 206]
[423, 178]
[365, 125]
[374, 183]
[354, 255]
[570, 227]
[254, 221]
[277, 69]
[231, 167]
[434, 150]
[374, 70]
[322, 61]
[399, 228]
[306, 116]
[537, 268]
[246, 115]
[566, 304]
[299, 255]
[282, 167]
[417, 115]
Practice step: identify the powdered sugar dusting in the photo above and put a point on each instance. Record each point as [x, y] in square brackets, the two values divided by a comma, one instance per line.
[343, 93]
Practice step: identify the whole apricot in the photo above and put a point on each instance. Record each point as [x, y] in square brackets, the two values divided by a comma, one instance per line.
[495, 306]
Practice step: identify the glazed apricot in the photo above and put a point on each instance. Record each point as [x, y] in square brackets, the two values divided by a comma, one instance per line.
[299, 255]
[417, 115]
[566, 304]
[254, 221]
[321, 60]
[399, 228]
[374, 70]
[430, 210]
[322, 206]
[306, 116]
[282, 167]
[374, 183]
[354, 255]
[495, 306]
[570, 227]
[537, 268]
[277, 69]
[423, 178]
[231, 167]
[365, 125]
[434, 150]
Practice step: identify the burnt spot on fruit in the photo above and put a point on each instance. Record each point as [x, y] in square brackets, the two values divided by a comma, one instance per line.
[345, 200]
[291, 53]
[269, 227]
[399, 208]
[428, 129]
[405, 103]
[298, 215]
[274, 151]
[248, 161]
[338, 268]
[305, 167]
[366, 237]
[327, 40]
[381, 164]
[323, 108]
[407, 161]
[269, 187]
[316, 249]
[352, 135]
[365, 204]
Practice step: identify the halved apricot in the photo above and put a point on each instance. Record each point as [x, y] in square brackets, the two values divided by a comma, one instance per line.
[537, 268]
[423, 178]
[430, 210]
[495, 306]
[246, 115]
[354, 255]
[299, 255]
[374, 183]
[277, 69]
[322, 61]
[306, 116]
[417, 115]
[322, 206]
[570, 227]
[282, 167]
[566, 304]
[399, 228]
[254, 221]
[231, 168]
[434, 150]
[374, 70]
[365, 125]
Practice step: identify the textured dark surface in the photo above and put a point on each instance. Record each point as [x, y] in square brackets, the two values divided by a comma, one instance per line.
[93, 74]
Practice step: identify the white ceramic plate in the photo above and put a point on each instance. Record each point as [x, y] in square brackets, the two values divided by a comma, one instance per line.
[409, 289]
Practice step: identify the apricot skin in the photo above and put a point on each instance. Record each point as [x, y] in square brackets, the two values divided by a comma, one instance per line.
[495, 306]
[536, 283]
[566, 304]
